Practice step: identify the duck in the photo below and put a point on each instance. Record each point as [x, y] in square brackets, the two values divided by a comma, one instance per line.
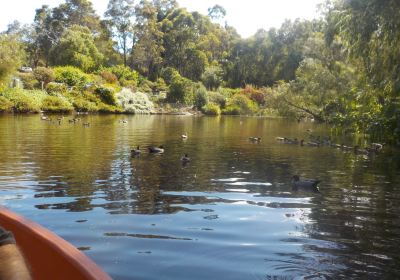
[86, 124]
[156, 150]
[306, 185]
[43, 118]
[280, 138]
[136, 152]
[184, 136]
[255, 139]
[185, 158]
[359, 151]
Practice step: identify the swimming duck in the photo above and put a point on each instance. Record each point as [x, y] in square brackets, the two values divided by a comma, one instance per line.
[184, 136]
[255, 139]
[185, 158]
[156, 150]
[86, 124]
[306, 185]
[136, 152]
[359, 151]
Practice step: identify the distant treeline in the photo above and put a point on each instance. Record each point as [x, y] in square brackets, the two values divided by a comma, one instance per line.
[343, 68]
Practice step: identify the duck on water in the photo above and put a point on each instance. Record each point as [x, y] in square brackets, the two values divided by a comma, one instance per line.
[305, 185]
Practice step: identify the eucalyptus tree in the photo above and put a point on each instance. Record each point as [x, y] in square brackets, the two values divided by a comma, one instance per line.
[120, 16]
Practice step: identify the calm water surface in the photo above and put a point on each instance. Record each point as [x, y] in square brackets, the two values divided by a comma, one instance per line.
[228, 214]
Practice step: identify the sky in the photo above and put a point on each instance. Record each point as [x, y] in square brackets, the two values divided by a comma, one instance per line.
[247, 16]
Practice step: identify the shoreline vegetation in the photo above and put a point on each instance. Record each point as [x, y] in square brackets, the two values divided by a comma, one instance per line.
[154, 57]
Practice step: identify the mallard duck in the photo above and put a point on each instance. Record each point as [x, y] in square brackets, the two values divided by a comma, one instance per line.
[136, 152]
[306, 185]
[184, 136]
[185, 158]
[156, 150]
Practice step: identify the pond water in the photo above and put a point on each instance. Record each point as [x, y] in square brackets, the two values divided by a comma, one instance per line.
[229, 214]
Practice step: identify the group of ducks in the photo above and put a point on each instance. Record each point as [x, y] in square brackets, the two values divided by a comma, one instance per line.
[60, 119]
[160, 150]
[318, 141]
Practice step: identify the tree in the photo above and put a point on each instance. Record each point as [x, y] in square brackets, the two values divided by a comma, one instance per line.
[12, 55]
[147, 52]
[77, 48]
[120, 16]
[217, 12]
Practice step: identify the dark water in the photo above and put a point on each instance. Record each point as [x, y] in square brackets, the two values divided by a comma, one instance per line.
[228, 214]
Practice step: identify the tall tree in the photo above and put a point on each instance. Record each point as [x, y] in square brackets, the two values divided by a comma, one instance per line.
[120, 15]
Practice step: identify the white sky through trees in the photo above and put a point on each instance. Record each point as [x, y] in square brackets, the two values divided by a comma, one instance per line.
[247, 16]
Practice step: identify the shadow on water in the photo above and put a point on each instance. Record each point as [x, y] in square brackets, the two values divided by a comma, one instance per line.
[229, 213]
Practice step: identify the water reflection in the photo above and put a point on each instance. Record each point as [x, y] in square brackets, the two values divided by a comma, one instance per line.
[230, 213]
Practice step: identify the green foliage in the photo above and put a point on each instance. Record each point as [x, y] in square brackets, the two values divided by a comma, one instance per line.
[168, 74]
[56, 104]
[28, 80]
[25, 101]
[181, 91]
[254, 94]
[212, 77]
[77, 48]
[44, 75]
[217, 98]
[106, 95]
[5, 104]
[211, 109]
[82, 105]
[240, 104]
[126, 76]
[134, 103]
[56, 88]
[12, 55]
[200, 97]
[70, 76]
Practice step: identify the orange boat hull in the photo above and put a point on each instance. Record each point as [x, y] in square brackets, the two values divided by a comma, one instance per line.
[49, 256]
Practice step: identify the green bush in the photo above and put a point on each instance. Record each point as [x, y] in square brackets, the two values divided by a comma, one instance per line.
[28, 80]
[125, 75]
[71, 76]
[25, 100]
[82, 105]
[211, 109]
[44, 75]
[161, 85]
[168, 74]
[106, 95]
[240, 104]
[200, 97]
[5, 104]
[56, 104]
[232, 110]
[216, 98]
[146, 86]
[181, 91]
[56, 88]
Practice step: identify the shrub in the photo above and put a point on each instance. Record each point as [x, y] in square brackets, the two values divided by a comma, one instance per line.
[254, 94]
[56, 88]
[56, 104]
[25, 100]
[232, 110]
[71, 76]
[211, 109]
[106, 95]
[217, 98]
[5, 104]
[240, 104]
[168, 74]
[212, 77]
[28, 80]
[125, 75]
[181, 91]
[200, 97]
[44, 75]
[146, 86]
[82, 105]
[161, 85]
[109, 77]
[136, 103]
